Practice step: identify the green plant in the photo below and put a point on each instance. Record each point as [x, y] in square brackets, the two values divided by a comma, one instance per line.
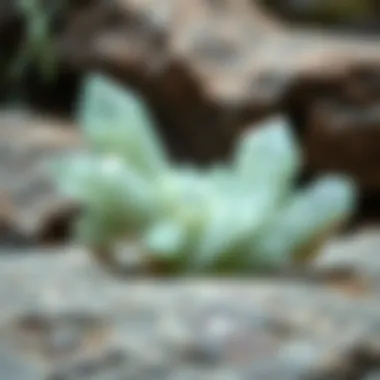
[244, 216]
[38, 45]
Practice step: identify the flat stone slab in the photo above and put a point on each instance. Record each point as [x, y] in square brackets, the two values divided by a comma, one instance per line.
[64, 314]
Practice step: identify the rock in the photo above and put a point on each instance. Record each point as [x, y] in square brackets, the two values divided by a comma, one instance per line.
[58, 308]
[210, 69]
[30, 205]
[108, 365]
[373, 376]
[354, 13]
[342, 131]
[358, 252]
[14, 367]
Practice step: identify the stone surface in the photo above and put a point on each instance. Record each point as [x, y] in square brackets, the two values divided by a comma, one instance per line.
[18, 368]
[342, 135]
[28, 143]
[210, 68]
[373, 376]
[359, 252]
[355, 15]
[62, 313]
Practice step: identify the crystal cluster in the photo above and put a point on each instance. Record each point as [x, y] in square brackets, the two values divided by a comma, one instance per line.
[245, 215]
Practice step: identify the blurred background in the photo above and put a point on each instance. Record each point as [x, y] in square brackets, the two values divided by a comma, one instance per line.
[208, 69]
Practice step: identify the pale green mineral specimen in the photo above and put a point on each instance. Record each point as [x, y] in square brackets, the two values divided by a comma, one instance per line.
[243, 215]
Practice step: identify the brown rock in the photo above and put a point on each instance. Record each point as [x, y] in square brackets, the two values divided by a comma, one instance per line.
[210, 68]
[29, 201]
[343, 131]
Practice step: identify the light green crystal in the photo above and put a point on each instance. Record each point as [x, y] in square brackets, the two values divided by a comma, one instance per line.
[243, 215]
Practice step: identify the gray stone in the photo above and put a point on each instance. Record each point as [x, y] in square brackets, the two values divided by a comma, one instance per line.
[15, 367]
[28, 143]
[63, 310]
[373, 376]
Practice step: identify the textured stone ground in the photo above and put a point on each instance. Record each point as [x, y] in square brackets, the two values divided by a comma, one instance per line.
[63, 318]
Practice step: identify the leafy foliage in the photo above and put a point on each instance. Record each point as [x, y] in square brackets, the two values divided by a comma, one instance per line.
[38, 46]
[242, 216]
